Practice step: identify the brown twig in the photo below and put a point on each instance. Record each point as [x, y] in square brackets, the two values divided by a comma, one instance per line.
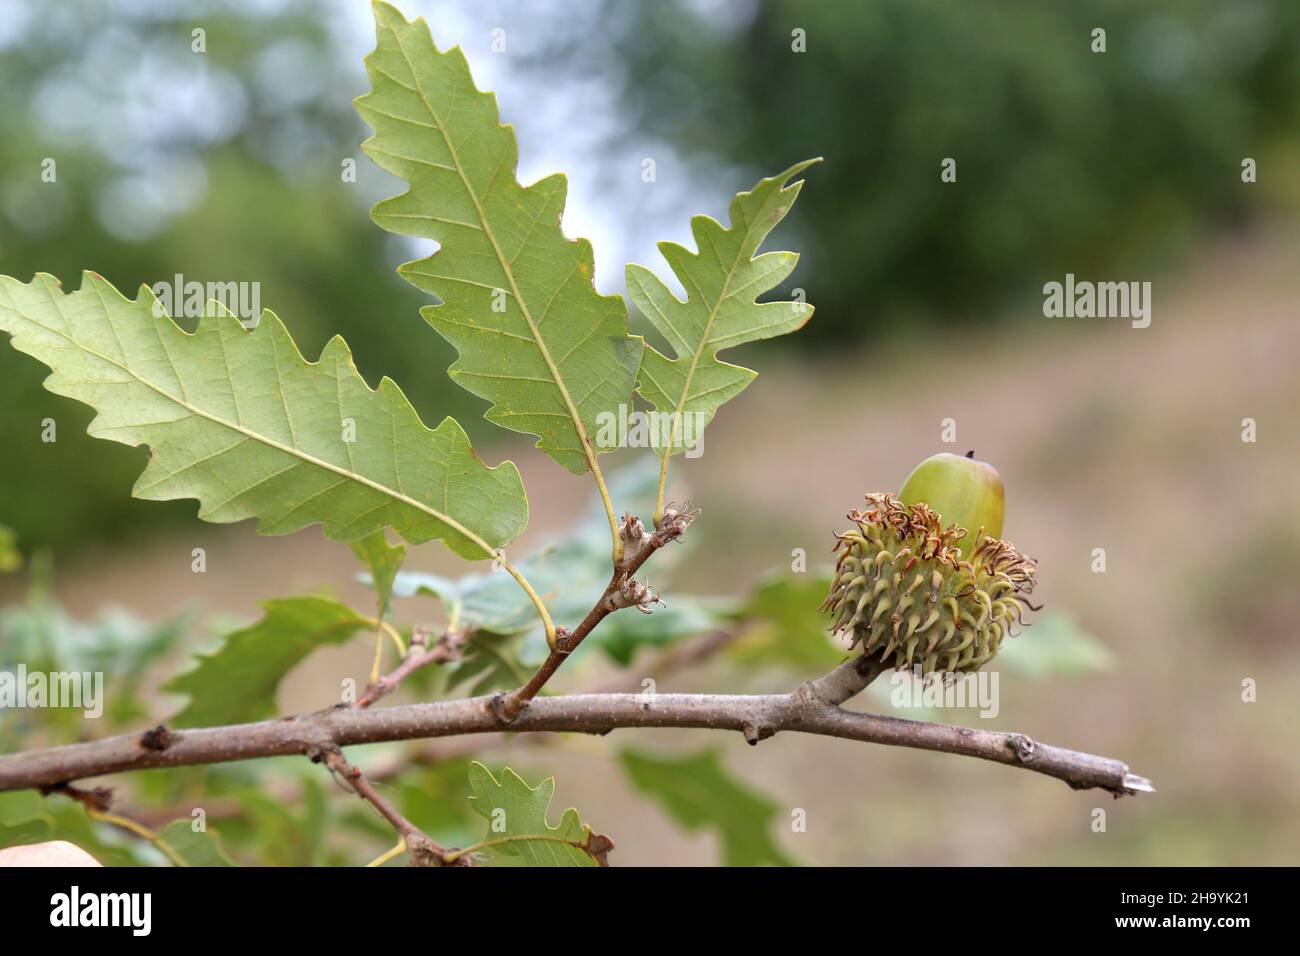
[433, 752]
[807, 710]
[844, 682]
[98, 802]
[418, 655]
[813, 708]
[423, 851]
[622, 591]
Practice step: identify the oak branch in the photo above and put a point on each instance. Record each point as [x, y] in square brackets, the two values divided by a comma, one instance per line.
[814, 708]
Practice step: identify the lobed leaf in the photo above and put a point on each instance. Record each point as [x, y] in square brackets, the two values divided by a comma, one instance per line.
[518, 834]
[237, 682]
[699, 793]
[26, 817]
[242, 422]
[534, 336]
[195, 847]
[722, 281]
[783, 624]
[570, 574]
[384, 561]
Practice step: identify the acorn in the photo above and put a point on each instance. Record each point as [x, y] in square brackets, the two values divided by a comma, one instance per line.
[924, 579]
[964, 491]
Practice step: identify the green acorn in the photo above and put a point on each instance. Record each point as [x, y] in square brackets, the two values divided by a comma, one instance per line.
[923, 578]
[966, 492]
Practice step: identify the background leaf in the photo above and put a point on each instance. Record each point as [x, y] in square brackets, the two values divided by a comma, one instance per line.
[384, 560]
[201, 848]
[115, 643]
[784, 624]
[529, 839]
[22, 818]
[518, 300]
[26, 817]
[277, 832]
[11, 559]
[721, 281]
[237, 682]
[242, 422]
[570, 574]
[699, 793]
[1055, 646]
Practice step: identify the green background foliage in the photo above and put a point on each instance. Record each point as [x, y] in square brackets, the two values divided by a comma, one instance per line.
[236, 171]
[1124, 165]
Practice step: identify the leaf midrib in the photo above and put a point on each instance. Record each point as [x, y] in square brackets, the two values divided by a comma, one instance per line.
[704, 340]
[255, 436]
[506, 265]
[530, 838]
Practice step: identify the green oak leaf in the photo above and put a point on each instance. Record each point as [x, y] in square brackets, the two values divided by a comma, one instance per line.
[492, 661]
[242, 422]
[237, 682]
[518, 834]
[721, 281]
[784, 624]
[114, 643]
[196, 848]
[27, 817]
[267, 830]
[384, 561]
[518, 302]
[699, 793]
[1054, 645]
[570, 574]
[23, 819]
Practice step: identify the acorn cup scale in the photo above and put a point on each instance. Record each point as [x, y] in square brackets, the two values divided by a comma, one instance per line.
[923, 579]
[964, 491]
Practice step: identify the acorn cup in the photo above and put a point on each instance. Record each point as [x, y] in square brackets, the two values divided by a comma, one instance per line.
[923, 580]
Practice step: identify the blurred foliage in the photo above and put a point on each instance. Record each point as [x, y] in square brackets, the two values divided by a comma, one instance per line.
[508, 642]
[1066, 159]
[786, 625]
[38, 634]
[27, 817]
[432, 796]
[226, 166]
[11, 559]
[256, 658]
[1053, 645]
[280, 812]
[698, 792]
[219, 166]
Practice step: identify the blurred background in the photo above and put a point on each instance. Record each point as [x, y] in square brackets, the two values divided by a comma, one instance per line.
[1126, 165]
